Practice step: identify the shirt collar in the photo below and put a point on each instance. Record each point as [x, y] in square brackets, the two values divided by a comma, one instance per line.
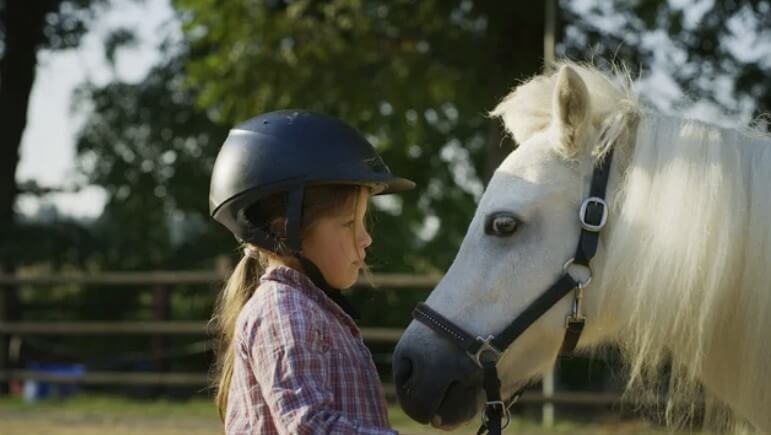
[300, 281]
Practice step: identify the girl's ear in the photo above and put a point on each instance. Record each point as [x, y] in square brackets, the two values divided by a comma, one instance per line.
[278, 227]
[571, 106]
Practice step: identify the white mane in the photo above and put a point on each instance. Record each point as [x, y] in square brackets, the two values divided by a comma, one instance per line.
[687, 250]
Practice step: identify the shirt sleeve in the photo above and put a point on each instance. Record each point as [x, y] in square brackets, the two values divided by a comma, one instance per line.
[292, 371]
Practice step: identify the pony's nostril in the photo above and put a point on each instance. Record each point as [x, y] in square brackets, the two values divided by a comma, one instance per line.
[403, 371]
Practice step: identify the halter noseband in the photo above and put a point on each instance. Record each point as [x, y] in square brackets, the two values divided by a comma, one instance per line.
[485, 352]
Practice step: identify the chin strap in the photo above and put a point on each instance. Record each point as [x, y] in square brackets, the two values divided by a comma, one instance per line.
[313, 272]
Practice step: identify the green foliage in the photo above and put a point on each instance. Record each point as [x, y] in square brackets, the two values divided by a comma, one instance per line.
[68, 21]
[416, 77]
[59, 243]
[147, 146]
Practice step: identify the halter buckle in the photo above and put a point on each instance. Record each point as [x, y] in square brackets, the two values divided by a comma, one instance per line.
[593, 200]
[484, 347]
[506, 414]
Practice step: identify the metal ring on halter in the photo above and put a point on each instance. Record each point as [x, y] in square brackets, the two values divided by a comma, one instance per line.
[484, 347]
[506, 413]
[580, 284]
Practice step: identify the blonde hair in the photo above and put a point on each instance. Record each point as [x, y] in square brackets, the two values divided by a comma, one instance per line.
[320, 201]
[695, 278]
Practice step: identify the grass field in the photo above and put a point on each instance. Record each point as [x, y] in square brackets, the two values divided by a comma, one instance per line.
[91, 415]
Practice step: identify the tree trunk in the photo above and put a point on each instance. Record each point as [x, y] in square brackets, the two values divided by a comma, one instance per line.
[518, 53]
[23, 23]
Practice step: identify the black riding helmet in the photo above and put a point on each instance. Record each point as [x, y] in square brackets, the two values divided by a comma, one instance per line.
[285, 151]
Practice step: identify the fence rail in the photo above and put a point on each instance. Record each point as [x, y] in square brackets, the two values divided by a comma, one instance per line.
[194, 379]
[168, 277]
[149, 327]
[110, 378]
[161, 282]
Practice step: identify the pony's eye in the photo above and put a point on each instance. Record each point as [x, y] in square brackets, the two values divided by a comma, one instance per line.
[501, 224]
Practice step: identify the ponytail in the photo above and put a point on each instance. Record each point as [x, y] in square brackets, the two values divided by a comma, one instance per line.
[236, 292]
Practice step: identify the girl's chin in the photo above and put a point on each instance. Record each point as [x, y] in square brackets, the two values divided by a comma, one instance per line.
[351, 280]
[348, 281]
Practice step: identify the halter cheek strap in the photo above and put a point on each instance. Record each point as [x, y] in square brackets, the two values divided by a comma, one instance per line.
[486, 352]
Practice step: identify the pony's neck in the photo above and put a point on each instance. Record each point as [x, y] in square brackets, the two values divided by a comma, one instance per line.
[683, 267]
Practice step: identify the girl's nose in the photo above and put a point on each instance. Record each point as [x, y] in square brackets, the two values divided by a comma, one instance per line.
[364, 238]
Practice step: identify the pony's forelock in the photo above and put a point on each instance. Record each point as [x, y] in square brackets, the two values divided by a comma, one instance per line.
[528, 108]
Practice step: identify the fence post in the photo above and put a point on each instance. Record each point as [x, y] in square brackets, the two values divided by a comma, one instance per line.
[161, 312]
[10, 310]
[4, 339]
[549, 34]
[548, 395]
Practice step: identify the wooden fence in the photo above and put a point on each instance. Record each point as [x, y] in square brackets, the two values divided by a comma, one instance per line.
[160, 282]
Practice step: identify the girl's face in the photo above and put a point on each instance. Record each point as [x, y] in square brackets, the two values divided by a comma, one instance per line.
[336, 244]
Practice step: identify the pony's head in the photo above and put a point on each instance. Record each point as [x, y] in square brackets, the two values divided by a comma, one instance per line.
[523, 232]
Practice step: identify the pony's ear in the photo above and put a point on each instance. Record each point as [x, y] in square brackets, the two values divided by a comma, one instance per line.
[571, 106]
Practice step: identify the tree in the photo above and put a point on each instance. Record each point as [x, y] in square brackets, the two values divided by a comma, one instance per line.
[152, 151]
[25, 27]
[717, 51]
[417, 77]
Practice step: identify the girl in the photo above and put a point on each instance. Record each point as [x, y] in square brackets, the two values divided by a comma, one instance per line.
[292, 187]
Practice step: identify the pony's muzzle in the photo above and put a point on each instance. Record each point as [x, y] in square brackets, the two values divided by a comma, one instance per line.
[435, 379]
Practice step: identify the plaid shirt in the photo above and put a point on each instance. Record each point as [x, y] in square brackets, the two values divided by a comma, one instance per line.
[301, 366]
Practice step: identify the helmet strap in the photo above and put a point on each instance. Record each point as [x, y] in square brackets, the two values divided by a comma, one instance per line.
[294, 217]
[313, 272]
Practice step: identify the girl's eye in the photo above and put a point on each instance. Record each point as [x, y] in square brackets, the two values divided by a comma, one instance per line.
[349, 224]
[501, 224]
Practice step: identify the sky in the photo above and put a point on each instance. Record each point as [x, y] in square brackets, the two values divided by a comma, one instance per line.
[48, 144]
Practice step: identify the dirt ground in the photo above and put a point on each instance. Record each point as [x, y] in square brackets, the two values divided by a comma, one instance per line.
[92, 416]
[47, 424]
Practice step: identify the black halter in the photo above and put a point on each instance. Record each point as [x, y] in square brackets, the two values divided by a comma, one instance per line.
[485, 352]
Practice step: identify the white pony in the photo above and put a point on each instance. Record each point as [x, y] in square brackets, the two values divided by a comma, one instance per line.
[682, 276]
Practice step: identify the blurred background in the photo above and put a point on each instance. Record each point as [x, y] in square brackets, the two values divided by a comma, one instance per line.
[111, 114]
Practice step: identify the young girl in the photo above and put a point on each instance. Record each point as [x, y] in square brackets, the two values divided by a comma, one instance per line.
[292, 187]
